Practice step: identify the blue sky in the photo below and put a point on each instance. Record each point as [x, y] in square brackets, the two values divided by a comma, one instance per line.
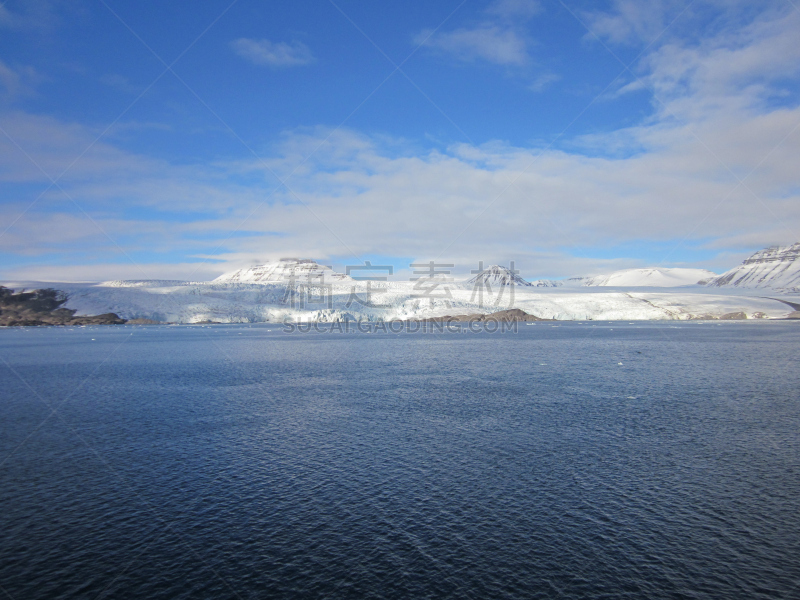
[152, 140]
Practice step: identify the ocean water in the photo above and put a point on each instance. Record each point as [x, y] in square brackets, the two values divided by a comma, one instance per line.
[596, 460]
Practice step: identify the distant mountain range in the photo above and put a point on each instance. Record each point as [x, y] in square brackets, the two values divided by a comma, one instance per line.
[293, 288]
[306, 271]
[650, 277]
[776, 268]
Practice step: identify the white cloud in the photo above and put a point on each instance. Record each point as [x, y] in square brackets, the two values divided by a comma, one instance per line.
[273, 54]
[16, 83]
[543, 81]
[54, 145]
[33, 14]
[632, 21]
[490, 202]
[736, 70]
[498, 39]
[671, 177]
[9, 80]
[7, 19]
[492, 43]
[19, 277]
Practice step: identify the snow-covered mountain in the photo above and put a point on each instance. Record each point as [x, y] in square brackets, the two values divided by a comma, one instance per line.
[775, 268]
[649, 277]
[267, 293]
[497, 276]
[235, 302]
[286, 270]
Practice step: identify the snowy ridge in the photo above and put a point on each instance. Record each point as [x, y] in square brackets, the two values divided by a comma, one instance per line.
[129, 283]
[546, 283]
[497, 276]
[648, 277]
[283, 271]
[776, 268]
[304, 290]
[236, 302]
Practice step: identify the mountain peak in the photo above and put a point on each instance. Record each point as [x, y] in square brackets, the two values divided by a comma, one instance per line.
[497, 275]
[285, 270]
[647, 277]
[776, 267]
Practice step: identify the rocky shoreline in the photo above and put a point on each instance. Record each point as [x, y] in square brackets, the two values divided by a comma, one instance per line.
[43, 307]
[507, 316]
[46, 306]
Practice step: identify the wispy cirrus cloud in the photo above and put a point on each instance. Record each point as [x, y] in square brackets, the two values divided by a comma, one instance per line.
[32, 14]
[273, 54]
[543, 81]
[745, 68]
[491, 43]
[497, 39]
[15, 83]
[630, 21]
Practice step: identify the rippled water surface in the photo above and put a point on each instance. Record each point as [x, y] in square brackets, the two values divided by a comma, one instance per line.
[243, 462]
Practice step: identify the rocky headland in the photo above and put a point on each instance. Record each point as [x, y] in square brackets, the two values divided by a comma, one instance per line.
[43, 307]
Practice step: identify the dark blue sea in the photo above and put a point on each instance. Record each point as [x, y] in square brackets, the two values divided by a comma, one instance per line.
[596, 460]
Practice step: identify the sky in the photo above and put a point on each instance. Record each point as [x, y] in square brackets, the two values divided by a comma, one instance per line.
[153, 140]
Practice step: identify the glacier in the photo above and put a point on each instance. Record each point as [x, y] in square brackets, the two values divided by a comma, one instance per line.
[765, 286]
[192, 302]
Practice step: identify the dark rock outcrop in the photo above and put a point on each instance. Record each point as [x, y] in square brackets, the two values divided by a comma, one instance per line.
[508, 316]
[733, 316]
[43, 307]
[497, 276]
